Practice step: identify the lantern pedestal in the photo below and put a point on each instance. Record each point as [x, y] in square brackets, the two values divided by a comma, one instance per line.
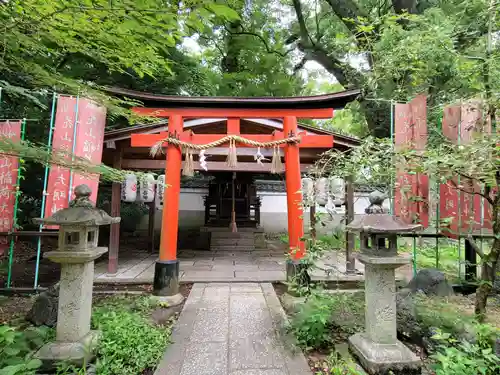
[378, 348]
[77, 250]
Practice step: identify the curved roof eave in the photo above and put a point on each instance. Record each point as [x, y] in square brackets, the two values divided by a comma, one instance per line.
[336, 100]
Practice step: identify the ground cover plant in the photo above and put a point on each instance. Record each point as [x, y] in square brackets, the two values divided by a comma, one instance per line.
[131, 343]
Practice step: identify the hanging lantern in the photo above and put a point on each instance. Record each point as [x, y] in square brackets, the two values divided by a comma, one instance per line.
[307, 191]
[160, 191]
[129, 188]
[147, 188]
[337, 190]
[322, 191]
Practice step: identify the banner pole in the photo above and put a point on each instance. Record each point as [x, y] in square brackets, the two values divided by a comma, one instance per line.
[70, 187]
[16, 203]
[393, 149]
[44, 192]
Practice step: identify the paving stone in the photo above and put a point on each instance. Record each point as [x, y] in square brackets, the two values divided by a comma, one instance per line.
[208, 274]
[209, 358]
[231, 329]
[259, 372]
[211, 326]
[245, 288]
[262, 276]
[203, 262]
[197, 267]
[236, 267]
[254, 352]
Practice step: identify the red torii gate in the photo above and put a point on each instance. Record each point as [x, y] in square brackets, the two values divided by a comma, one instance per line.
[167, 267]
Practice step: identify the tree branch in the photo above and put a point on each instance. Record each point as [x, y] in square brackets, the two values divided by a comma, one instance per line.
[262, 39]
[347, 11]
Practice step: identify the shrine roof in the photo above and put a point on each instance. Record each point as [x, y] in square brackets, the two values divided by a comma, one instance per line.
[337, 100]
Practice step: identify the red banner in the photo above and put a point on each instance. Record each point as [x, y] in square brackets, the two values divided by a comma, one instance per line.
[86, 140]
[412, 190]
[462, 210]
[62, 139]
[9, 166]
[89, 140]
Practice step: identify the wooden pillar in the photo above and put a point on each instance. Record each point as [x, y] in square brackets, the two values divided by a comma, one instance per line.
[166, 279]
[151, 227]
[114, 234]
[349, 237]
[293, 192]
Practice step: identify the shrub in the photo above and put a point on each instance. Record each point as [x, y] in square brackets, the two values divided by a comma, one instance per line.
[17, 348]
[130, 342]
[324, 318]
[466, 358]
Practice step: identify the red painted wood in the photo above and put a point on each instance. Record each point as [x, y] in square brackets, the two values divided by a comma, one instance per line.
[306, 141]
[293, 193]
[233, 126]
[323, 113]
[170, 218]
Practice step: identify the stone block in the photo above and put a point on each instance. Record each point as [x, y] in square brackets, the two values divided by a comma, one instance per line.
[255, 352]
[380, 359]
[78, 353]
[205, 359]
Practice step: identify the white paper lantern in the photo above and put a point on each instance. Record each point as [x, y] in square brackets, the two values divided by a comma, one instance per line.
[322, 191]
[129, 188]
[337, 190]
[160, 191]
[147, 188]
[307, 190]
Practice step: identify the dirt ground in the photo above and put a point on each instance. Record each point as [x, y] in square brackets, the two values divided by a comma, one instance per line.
[24, 261]
[14, 308]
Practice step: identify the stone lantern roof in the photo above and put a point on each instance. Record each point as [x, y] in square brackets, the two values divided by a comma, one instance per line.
[81, 212]
[378, 220]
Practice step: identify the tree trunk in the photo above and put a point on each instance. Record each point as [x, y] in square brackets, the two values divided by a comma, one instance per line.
[490, 265]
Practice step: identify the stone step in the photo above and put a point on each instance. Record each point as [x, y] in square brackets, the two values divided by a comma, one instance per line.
[232, 248]
[233, 241]
[232, 235]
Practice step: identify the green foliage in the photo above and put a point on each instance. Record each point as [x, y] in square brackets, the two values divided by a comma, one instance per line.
[130, 343]
[51, 44]
[464, 357]
[17, 348]
[311, 325]
[336, 365]
[324, 318]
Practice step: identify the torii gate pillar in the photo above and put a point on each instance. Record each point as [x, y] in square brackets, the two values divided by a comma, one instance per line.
[294, 267]
[166, 278]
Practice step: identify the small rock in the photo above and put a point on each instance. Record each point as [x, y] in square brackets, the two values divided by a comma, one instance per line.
[432, 282]
[161, 316]
[44, 309]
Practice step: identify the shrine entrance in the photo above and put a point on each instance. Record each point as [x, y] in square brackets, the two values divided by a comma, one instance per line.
[228, 190]
[231, 201]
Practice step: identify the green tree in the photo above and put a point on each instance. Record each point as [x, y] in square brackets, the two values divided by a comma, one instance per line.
[393, 50]
[247, 56]
[477, 163]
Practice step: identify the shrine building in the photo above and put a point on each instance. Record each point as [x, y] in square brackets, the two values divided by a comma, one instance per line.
[263, 135]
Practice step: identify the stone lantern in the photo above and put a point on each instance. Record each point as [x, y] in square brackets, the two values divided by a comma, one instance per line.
[77, 250]
[378, 349]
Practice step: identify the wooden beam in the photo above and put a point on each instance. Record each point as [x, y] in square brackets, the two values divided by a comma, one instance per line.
[213, 166]
[233, 126]
[323, 113]
[114, 234]
[350, 238]
[306, 141]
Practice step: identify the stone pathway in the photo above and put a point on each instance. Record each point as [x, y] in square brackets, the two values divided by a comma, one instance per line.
[226, 266]
[231, 329]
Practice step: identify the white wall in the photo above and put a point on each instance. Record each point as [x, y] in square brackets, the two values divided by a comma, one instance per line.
[273, 211]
